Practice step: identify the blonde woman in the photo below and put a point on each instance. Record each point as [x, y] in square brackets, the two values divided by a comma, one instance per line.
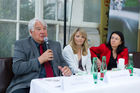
[77, 53]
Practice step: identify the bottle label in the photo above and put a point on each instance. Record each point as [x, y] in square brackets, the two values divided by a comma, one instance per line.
[102, 75]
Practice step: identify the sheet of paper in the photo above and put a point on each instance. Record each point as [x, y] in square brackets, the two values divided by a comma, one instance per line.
[115, 75]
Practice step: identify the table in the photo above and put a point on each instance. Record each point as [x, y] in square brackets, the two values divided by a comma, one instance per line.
[85, 84]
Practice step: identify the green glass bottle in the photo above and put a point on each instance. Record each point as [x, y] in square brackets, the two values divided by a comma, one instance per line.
[103, 68]
[130, 65]
[94, 69]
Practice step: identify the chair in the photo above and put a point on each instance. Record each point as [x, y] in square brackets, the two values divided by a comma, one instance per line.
[6, 73]
[136, 59]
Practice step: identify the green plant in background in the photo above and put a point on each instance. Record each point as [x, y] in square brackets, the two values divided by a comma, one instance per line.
[8, 9]
[7, 39]
[49, 12]
[27, 9]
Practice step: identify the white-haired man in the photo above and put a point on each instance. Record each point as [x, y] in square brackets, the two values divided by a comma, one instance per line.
[33, 60]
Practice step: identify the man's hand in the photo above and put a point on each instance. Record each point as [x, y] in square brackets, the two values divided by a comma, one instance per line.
[65, 70]
[46, 56]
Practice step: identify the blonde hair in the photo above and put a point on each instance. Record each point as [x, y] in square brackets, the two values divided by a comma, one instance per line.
[85, 44]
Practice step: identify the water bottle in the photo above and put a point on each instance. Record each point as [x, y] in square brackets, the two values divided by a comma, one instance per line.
[130, 65]
[103, 68]
[94, 69]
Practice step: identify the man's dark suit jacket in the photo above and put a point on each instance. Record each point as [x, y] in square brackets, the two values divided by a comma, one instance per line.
[25, 62]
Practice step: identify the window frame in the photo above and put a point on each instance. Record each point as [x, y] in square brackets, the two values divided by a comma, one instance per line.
[39, 13]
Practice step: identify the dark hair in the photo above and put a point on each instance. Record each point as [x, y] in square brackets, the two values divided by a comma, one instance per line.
[121, 46]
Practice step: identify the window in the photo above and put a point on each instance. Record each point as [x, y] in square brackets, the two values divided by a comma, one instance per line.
[27, 9]
[13, 23]
[92, 10]
[8, 11]
[15, 15]
[49, 9]
[7, 38]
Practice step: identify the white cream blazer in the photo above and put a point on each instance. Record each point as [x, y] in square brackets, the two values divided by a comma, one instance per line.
[72, 60]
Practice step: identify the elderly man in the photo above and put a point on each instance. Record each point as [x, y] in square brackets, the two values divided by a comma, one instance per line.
[33, 58]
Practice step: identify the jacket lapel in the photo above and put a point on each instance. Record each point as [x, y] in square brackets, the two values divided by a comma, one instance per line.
[34, 48]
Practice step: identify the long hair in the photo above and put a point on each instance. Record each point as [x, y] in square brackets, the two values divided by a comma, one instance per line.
[121, 46]
[85, 44]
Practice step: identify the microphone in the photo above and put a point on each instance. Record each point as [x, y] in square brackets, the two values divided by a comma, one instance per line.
[47, 43]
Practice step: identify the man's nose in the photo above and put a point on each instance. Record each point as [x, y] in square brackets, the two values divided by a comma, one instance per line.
[42, 30]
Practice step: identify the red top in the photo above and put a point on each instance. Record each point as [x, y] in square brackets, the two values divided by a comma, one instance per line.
[103, 50]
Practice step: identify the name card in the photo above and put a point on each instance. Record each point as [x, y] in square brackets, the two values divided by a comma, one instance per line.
[115, 75]
[75, 82]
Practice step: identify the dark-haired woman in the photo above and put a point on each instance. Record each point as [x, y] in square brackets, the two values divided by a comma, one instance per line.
[113, 50]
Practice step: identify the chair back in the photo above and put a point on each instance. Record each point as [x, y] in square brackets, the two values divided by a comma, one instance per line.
[6, 73]
[136, 59]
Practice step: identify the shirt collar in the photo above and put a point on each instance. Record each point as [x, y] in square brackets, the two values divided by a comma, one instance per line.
[37, 44]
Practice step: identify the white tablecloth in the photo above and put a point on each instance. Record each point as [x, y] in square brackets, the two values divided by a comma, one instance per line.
[85, 84]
